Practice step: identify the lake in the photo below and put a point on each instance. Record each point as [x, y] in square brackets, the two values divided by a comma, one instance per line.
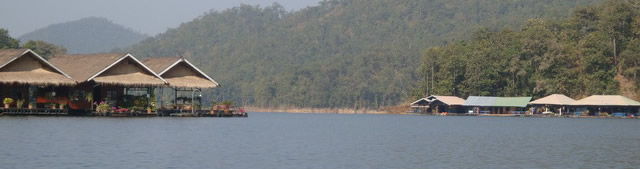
[280, 140]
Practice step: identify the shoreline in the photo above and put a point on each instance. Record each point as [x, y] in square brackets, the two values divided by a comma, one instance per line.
[386, 111]
[316, 110]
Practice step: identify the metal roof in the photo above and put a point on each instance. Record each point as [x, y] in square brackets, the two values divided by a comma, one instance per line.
[606, 100]
[554, 99]
[423, 100]
[483, 101]
[448, 100]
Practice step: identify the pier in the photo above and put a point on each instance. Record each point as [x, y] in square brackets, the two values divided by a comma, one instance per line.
[159, 113]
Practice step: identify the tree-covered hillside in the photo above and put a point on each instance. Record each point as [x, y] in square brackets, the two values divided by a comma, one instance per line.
[88, 35]
[341, 53]
[42, 48]
[594, 51]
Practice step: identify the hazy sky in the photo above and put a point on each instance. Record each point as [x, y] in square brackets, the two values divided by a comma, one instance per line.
[146, 16]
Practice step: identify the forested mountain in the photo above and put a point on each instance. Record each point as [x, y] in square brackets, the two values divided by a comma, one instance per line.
[341, 53]
[88, 35]
[596, 50]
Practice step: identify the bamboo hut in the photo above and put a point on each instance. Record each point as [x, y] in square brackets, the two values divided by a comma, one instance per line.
[182, 75]
[439, 104]
[597, 105]
[555, 103]
[497, 105]
[25, 76]
[111, 77]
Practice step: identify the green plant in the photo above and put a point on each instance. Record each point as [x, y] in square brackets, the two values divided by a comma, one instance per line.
[51, 105]
[227, 103]
[103, 107]
[19, 103]
[196, 106]
[7, 100]
[140, 101]
[149, 109]
[89, 97]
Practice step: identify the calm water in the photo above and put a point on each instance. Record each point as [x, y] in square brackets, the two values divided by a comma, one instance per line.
[274, 140]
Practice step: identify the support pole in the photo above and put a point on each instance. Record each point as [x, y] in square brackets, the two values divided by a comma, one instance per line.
[148, 97]
[193, 93]
[162, 97]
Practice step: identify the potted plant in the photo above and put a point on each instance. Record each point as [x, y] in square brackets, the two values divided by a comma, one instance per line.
[196, 106]
[52, 105]
[213, 104]
[7, 101]
[102, 107]
[62, 104]
[89, 98]
[149, 109]
[227, 104]
[19, 103]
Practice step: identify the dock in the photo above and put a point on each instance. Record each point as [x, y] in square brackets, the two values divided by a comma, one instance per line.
[159, 113]
[34, 112]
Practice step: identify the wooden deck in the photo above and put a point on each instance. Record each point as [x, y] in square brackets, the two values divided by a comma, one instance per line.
[160, 113]
[35, 112]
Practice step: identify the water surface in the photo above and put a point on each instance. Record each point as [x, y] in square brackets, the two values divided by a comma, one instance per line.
[278, 140]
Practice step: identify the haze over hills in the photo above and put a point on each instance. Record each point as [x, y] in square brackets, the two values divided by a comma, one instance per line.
[342, 53]
[88, 35]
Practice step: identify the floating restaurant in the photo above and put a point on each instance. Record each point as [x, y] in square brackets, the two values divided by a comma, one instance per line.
[552, 104]
[111, 79]
[28, 81]
[497, 105]
[93, 84]
[183, 77]
[439, 104]
[605, 105]
[556, 105]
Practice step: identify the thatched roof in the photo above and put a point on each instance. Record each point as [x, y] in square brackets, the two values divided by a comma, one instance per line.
[554, 99]
[160, 64]
[109, 69]
[23, 66]
[606, 100]
[483, 101]
[179, 72]
[7, 55]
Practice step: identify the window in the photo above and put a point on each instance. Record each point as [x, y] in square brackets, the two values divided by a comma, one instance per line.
[112, 94]
[78, 95]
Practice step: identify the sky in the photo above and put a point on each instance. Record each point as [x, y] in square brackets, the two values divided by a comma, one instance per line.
[145, 16]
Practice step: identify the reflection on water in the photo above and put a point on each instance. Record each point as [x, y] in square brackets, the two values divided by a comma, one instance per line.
[274, 140]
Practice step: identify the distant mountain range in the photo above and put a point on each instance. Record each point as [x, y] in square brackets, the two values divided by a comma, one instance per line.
[87, 35]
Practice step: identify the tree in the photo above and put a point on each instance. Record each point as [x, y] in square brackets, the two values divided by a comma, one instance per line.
[6, 41]
[577, 56]
[44, 49]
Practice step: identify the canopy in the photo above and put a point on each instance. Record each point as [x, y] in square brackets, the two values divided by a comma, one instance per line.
[555, 99]
[606, 100]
